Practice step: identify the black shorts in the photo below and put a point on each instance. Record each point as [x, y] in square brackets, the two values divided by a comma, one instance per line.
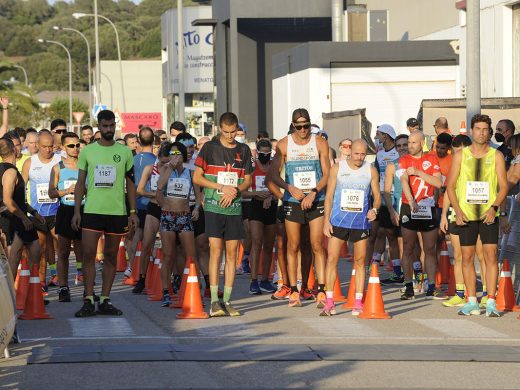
[266, 216]
[468, 234]
[228, 227]
[141, 214]
[419, 225]
[280, 214]
[63, 223]
[354, 235]
[108, 224]
[154, 210]
[294, 213]
[17, 228]
[5, 226]
[453, 228]
[246, 210]
[199, 226]
[50, 223]
[383, 217]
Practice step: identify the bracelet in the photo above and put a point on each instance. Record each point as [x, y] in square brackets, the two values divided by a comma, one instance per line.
[5, 108]
[197, 206]
[132, 211]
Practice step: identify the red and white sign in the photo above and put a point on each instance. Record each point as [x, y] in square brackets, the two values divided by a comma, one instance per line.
[133, 120]
[78, 116]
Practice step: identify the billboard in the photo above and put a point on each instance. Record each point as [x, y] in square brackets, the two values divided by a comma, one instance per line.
[131, 121]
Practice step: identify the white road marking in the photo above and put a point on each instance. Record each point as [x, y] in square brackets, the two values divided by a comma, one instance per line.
[340, 327]
[100, 327]
[459, 328]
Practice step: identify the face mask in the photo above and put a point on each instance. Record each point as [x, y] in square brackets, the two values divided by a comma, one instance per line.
[377, 143]
[499, 137]
[240, 139]
[264, 158]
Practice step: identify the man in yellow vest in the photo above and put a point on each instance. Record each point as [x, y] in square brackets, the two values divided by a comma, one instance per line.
[476, 186]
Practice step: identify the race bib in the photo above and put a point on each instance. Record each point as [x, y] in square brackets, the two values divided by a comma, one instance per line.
[178, 188]
[477, 192]
[260, 183]
[154, 179]
[227, 179]
[42, 192]
[423, 212]
[104, 176]
[305, 181]
[352, 200]
[67, 184]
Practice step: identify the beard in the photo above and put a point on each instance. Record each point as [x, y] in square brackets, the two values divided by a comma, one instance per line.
[108, 136]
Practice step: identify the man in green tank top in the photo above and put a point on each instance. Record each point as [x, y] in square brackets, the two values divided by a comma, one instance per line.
[477, 186]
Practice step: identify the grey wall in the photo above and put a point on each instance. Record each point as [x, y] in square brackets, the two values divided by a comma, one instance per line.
[247, 81]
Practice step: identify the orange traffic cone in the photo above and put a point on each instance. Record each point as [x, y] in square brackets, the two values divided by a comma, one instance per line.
[338, 295]
[192, 302]
[34, 306]
[121, 257]
[506, 295]
[155, 291]
[374, 307]
[22, 284]
[351, 292]
[132, 280]
[182, 290]
[444, 263]
[462, 128]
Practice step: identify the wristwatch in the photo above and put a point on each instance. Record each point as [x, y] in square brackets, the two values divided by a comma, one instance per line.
[495, 208]
[315, 190]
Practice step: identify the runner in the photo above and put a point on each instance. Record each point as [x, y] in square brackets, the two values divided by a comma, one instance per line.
[513, 174]
[305, 158]
[223, 169]
[175, 129]
[347, 217]
[31, 143]
[36, 172]
[87, 133]
[107, 166]
[58, 128]
[345, 149]
[262, 221]
[477, 186]
[61, 186]
[421, 174]
[172, 195]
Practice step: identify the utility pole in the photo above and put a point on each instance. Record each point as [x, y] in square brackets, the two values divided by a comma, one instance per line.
[472, 59]
[98, 68]
[180, 60]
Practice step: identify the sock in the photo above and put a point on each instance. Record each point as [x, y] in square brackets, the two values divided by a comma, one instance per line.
[214, 293]
[484, 290]
[357, 302]
[329, 294]
[396, 265]
[472, 300]
[459, 290]
[294, 289]
[79, 266]
[103, 298]
[417, 269]
[431, 287]
[425, 278]
[165, 291]
[255, 280]
[491, 298]
[206, 280]
[358, 296]
[52, 267]
[321, 288]
[408, 286]
[90, 298]
[227, 293]
[376, 257]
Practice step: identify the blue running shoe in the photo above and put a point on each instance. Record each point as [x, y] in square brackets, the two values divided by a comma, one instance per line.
[254, 288]
[491, 309]
[470, 309]
[167, 301]
[245, 265]
[267, 287]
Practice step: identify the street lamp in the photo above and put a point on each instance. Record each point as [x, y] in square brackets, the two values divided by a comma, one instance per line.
[57, 28]
[78, 15]
[70, 76]
[24, 73]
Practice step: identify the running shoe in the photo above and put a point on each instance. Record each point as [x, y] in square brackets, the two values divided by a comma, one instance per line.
[106, 308]
[230, 310]
[53, 281]
[328, 310]
[139, 287]
[321, 300]
[358, 308]
[128, 272]
[87, 310]
[176, 284]
[483, 302]
[245, 265]
[216, 310]
[436, 294]
[393, 279]
[407, 295]
[79, 279]
[166, 301]
[454, 301]
[267, 287]
[294, 300]
[307, 295]
[491, 309]
[64, 294]
[281, 294]
[254, 288]
[470, 309]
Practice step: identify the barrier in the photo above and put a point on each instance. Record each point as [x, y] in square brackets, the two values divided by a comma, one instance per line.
[7, 304]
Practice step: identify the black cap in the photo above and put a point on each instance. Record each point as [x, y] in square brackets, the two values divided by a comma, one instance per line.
[412, 122]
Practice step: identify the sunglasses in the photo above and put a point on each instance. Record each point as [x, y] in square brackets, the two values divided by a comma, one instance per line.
[175, 153]
[73, 145]
[60, 131]
[305, 126]
[346, 146]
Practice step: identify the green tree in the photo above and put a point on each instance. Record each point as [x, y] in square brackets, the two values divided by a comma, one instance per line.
[59, 108]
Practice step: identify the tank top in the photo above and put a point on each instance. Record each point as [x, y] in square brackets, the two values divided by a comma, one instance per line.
[68, 177]
[39, 177]
[178, 186]
[303, 167]
[351, 195]
[398, 188]
[383, 157]
[477, 185]
[19, 189]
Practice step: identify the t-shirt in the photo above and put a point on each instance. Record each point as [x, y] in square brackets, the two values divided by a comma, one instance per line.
[106, 168]
[421, 191]
[227, 166]
[141, 160]
[383, 158]
[444, 164]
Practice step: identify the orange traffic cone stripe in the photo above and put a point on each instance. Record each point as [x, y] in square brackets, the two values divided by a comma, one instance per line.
[374, 307]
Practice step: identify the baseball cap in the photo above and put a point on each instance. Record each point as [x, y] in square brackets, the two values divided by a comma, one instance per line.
[387, 129]
[243, 127]
[324, 135]
[300, 113]
[412, 122]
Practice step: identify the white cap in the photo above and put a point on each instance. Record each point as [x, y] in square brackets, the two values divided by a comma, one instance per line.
[387, 129]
